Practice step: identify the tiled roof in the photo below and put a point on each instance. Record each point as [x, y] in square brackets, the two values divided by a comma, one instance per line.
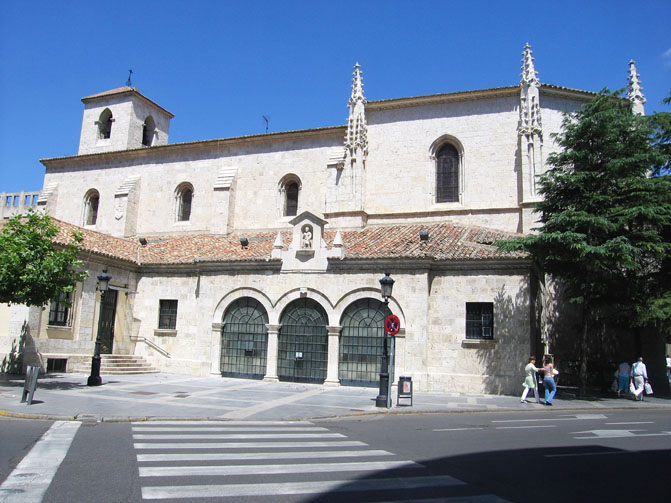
[111, 92]
[193, 248]
[446, 242]
[97, 242]
[124, 90]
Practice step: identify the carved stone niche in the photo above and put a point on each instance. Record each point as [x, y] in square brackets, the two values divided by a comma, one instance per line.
[308, 230]
[307, 251]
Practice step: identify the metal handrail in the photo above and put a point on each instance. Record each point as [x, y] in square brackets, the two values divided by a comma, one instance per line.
[151, 344]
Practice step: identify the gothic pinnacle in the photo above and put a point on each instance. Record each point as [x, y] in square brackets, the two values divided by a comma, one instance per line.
[357, 85]
[529, 74]
[356, 135]
[635, 90]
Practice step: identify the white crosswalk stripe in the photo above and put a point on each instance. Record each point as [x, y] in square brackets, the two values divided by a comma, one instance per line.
[234, 459]
[31, 478]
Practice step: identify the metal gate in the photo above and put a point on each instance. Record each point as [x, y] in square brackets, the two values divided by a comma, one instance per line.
[106, 324]
[361, 341]
[303, 343]
[244, 340]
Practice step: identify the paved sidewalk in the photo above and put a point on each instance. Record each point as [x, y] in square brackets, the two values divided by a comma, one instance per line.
[169, 396]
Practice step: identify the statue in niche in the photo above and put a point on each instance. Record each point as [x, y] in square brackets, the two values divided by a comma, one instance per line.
[306, 239]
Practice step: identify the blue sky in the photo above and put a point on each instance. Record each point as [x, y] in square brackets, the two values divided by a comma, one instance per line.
[220, 66]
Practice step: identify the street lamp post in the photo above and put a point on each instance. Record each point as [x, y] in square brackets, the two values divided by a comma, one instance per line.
[386, 286]
[103, 285]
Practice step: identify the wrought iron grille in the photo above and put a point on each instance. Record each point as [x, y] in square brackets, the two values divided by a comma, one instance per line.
[361, 343]
[106, 326]
[303, 343]
[244, 340]
[479, 320]
[167, 314]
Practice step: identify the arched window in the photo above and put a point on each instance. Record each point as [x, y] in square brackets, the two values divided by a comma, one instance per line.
[291, 206]
[244, 341]
[447, 174]
[91, 201]
[105, 124]
[184, 196]
[290, 187]
[148, 131]
[361, 342]
[302, 354]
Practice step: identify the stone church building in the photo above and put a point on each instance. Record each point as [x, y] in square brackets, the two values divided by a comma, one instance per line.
[260, 256]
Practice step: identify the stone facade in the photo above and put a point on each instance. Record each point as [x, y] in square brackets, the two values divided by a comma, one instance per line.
[312, 219]
[17, 203]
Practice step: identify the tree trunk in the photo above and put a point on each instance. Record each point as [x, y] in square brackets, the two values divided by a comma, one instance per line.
[583, 350]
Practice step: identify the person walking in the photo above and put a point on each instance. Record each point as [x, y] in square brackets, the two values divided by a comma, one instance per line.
[623, 376]
[549, 372]
[530, 380]
[639, 373]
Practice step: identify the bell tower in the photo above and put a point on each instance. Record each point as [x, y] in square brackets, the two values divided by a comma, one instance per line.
[122, 119]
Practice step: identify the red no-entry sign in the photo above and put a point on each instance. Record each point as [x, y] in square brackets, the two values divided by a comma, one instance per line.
[392, 324]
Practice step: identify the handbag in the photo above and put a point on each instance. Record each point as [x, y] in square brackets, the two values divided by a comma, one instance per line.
[613, 387]
[648, 389]
[632, 388]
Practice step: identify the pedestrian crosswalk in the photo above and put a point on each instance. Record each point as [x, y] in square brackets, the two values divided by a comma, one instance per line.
[263, 460]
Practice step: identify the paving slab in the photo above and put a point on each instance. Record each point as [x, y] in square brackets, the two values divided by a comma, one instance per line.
[168, 396]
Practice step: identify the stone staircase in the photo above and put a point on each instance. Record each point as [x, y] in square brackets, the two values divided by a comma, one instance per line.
[119, 364]
[125, 364]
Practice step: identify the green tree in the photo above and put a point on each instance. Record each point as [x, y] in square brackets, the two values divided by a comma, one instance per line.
[605, 222]
[661, 138]
[33, 269]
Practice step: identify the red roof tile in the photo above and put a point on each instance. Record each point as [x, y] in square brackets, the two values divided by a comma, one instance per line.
[446, 242]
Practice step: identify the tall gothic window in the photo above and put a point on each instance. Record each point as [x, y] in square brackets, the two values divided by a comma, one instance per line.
[447, 174]
[292, 200]
[184, 196]
[91, 202]
[105, 124]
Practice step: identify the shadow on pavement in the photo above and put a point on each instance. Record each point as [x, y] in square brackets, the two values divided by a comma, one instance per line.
[575, 473]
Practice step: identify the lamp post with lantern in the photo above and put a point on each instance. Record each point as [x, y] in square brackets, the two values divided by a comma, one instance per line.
[382, 400]
[103, 285]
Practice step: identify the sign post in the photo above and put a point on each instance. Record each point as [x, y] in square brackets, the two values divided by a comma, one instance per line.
[391, 369]
[391, 327]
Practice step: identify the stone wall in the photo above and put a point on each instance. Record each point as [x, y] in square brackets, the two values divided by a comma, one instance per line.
[399, 171]
[430, 347]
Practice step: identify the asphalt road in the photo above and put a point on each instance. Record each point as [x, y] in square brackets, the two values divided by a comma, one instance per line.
[546, 455]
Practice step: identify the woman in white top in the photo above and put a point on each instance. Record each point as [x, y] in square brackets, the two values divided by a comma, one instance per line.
[639, 374]
[530, 381]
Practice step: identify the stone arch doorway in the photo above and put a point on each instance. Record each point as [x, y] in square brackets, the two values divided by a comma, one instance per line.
[303, 342]
[244, 339]
[361, 342]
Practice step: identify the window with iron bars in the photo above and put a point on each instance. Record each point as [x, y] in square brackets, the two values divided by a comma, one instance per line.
[167, 315]
[479, 320]
[59, 310]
